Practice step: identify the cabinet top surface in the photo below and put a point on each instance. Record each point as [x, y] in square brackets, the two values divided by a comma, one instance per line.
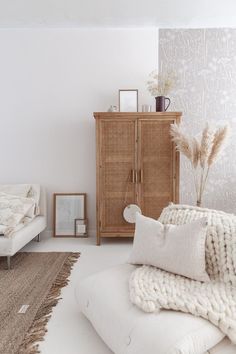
[162, 115]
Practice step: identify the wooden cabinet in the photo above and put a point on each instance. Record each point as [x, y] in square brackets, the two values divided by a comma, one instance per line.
[136, 163]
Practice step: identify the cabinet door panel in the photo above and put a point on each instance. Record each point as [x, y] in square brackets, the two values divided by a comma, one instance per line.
[117, 161]
[157, 166]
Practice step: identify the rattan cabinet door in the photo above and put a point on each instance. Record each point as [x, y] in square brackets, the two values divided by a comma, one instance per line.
[157, 166]
[116, 173]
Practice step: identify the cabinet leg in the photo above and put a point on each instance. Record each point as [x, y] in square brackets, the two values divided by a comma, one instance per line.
[98, 240]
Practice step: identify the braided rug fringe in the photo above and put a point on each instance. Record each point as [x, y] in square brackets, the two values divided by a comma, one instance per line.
[38, 329]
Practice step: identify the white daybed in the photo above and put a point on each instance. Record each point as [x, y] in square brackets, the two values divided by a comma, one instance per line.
[10, 245]
[104, 299]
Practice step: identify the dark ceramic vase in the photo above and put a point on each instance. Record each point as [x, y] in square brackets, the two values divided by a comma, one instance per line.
[161, 103]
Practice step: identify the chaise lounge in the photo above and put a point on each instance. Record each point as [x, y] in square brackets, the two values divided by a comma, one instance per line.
[11, 245]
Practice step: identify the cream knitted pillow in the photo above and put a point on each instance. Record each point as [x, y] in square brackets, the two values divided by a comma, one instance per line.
[176, 249]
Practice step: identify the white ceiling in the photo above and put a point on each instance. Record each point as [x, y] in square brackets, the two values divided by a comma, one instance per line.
[117, 13]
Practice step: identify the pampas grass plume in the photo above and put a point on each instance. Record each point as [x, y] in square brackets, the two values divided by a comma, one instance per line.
[195, 152]
[183, 143]
[206, 145]
[220, 138]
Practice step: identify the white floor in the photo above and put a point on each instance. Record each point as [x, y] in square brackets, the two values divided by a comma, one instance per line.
[69, 332]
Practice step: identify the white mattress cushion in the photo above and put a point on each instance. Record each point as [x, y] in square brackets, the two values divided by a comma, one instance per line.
[104, 300]
[224, 347]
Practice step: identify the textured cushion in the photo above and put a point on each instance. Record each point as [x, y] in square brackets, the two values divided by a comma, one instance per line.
[176, 249]
[220, 239]
[104, 300]
[27, 191]
[13, 209]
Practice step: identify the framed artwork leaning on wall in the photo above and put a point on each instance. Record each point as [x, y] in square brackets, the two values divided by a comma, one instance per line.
[68, 208]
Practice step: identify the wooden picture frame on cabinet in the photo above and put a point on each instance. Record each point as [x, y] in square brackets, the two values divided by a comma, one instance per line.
[128, 100]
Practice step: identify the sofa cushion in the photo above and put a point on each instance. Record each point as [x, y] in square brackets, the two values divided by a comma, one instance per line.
[27, 191]
[104, 300]
[9, 246]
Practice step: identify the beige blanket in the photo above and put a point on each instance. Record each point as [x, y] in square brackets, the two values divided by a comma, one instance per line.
[152, 289]
[15, 211]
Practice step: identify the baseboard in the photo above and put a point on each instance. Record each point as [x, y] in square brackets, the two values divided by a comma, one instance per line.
[48, 234]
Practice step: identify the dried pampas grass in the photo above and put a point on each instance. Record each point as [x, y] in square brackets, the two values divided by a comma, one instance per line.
[195, 152]
[161, 85]
[183, 143]
[220, 137]
[206, 144]
[201, 154]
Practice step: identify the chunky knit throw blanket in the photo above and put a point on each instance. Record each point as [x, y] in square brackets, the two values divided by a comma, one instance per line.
[152, 289]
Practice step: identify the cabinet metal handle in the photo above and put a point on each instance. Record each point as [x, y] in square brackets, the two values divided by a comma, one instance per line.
[132, 176]
[136, 176]
[141, 176]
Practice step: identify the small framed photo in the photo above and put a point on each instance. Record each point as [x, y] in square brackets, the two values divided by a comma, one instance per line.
[81, 228]
[128, 100]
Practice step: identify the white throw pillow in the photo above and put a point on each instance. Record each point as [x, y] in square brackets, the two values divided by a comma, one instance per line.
[176, 249]
[13, 209]
[25, 191]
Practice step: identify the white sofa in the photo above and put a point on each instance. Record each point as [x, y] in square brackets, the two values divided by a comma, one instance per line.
[10, 245]
[104, 299]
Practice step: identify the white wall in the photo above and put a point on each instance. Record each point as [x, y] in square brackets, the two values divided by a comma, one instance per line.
[51, 81]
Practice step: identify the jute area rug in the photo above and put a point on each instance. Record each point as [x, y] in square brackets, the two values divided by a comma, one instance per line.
[36, 280]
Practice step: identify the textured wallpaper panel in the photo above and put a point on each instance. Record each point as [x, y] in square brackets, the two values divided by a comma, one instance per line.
[205, 62]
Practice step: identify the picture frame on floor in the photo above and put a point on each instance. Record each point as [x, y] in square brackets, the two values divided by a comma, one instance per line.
[67, 208]
[81, 228]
